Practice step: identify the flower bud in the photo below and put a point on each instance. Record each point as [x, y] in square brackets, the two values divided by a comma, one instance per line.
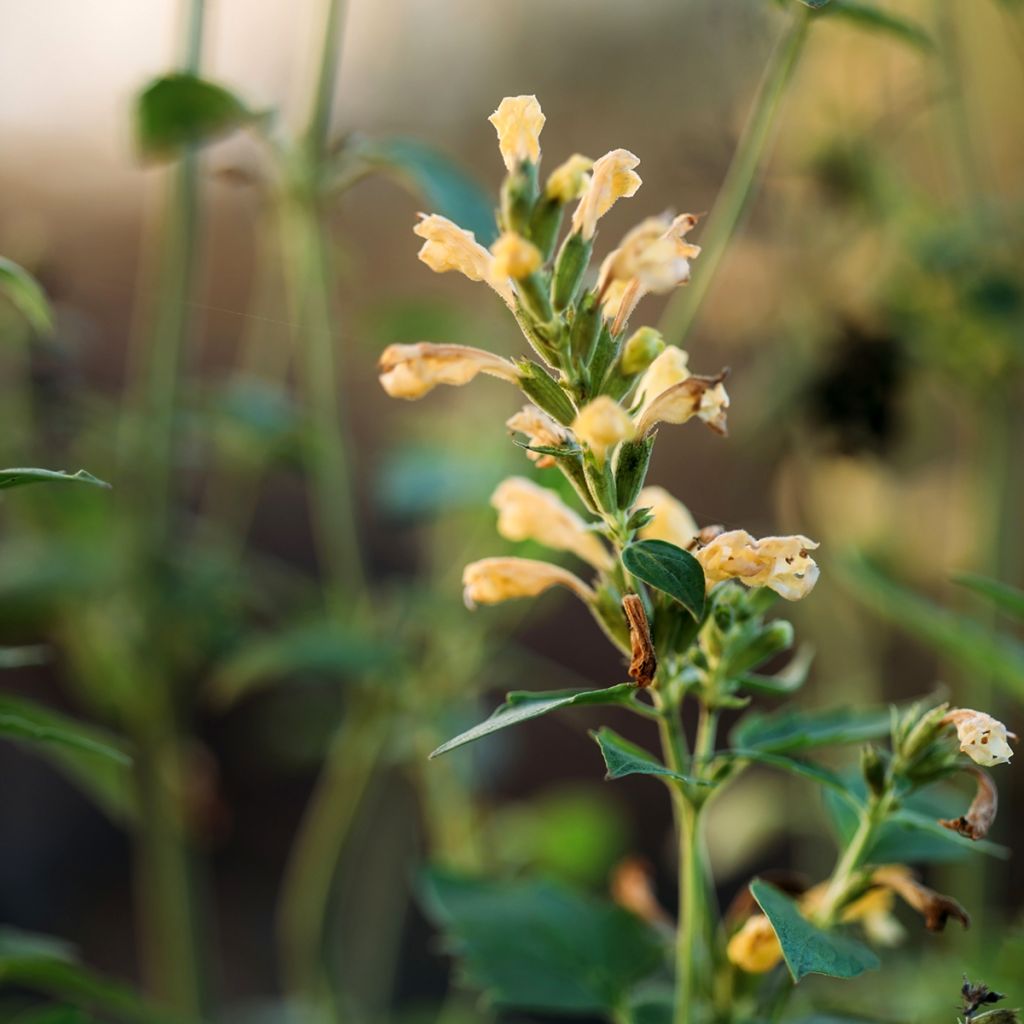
[601, 425]
[514, 257]
[872, 767]
[518, 122]
[640, 351]
[411, 371]
[529, 512]
[631, 469]
[493, 580]
[569, 180]
[982, 738]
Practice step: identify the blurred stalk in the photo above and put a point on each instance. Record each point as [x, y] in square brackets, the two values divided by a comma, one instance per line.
[169, 931]
[740, 182]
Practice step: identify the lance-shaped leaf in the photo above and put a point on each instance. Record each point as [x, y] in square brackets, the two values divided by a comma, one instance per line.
[1006, 598]
[180, 110]
[22, 477]
[670, 569]
[623, 758]
[26, 294]
[806, 948]
[537, 945]
[805, 769]
[522, 705]
[873, 17]
[788, 730]
[443, 185]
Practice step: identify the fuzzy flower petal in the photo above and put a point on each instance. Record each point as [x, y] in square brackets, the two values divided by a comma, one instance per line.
[672, 521]
[671, 367]
[529, 512]
[447, 247]
[518, 122]
[411, 371]
[493, 580]
[983, 738]
[613, 178]
[780, 563]
[514, 257]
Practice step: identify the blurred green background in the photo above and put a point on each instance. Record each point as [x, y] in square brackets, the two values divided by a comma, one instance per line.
[266, 609]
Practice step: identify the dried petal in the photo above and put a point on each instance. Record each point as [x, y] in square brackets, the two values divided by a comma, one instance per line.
[632, 887]
[644, 662]
[933, 906]
[411, 371]
[975, 824]
[982, 738]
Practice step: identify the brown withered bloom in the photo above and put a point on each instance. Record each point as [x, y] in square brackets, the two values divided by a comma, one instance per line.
[982, 812]
[645, 662]
[977, 996]
[934, 907]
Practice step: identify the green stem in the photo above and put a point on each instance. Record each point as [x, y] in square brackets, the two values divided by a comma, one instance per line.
[739, 185]
[691, 959]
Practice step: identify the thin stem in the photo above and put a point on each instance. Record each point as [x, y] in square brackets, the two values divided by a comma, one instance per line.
[740, 180]
[690, 954]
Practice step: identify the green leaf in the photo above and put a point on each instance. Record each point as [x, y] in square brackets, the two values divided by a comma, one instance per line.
[874, 18]
[954, 636]
[522, 705]
[536, 945]
[788, 680]
[180, 110]
[311, 648]
[90, 757]
[806, 948]
[23, 477]
[624, 758]
[26, 294]
[444, 186]
[806, 769]
[788, 730]
[670, 569]
[1006, 598]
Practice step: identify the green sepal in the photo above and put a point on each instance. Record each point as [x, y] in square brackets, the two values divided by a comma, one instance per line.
[533, 290]
[605, 352]
[571, 464]
[518, 194]
[586, 326]
[631, 464]
[756, 644]
[601, 481]
[544, 226]
[607, 609]
[571, 264]
[545, 392]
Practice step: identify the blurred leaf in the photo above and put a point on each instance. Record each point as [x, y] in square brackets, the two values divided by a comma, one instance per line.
[419, 482]
[624, 758]
[320, 647]
[670, 569]
[537, 945]
[23, 477]
[1006, 598]
[444, 186]
[788, 729]
[954, 636]
[19, 657]
[814, 4]
[786, 681]
[179, 110]
[807, 949]
[90, 757]
[805, 769]
[654, 1007]
[874, 18]
[522, 705]
[27, 295]
[14, 942]
[53, 1015]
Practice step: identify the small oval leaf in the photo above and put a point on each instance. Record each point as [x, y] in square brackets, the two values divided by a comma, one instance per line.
[669, 569]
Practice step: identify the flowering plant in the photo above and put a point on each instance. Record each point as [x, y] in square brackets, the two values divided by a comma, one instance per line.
[687, 607]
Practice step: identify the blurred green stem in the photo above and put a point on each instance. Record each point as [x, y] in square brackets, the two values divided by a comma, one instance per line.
[740, 180]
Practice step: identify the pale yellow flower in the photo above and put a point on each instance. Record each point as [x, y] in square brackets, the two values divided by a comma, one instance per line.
[449, 247]
[983, 738]
[493, 580]
[569, 180]
[612, 178]
[780, 563]
[670, 368]
[703, 397]
[529, 512]
[514, 257]
[672, 521]
[602, 424]
[411, 371]
[755, 947]
[518, 122]
[542, 431]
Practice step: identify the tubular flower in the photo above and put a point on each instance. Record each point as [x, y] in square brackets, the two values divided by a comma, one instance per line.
[602, 424]
[651, 258]
[529, 512]
[703, 397]
[755, 947]
[569, 180]
[542, 430]
[982, 738]
[493, 580]
[514, 257]
[780, 563]
[410, 371]
[449, 247]
[518, 122]
[613, 178]
[671, 367]
[672, 521]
